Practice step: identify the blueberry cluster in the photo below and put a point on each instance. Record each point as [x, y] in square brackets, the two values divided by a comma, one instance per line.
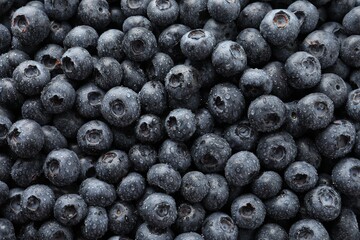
[179, 119]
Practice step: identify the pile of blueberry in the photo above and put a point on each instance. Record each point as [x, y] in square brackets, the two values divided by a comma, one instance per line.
[179, 119]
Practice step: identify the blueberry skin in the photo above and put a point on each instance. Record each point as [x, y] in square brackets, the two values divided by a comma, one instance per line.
[181, 82]
[37, 202]
[162, 13]
[5, 39]
[153, 97]
[25, 138]
[271, 231]
[169, 40]
[94, 137]
[136, 21]
[180, 124]
[176, 154]
[192, 102]
[292, 123]
[30, 25]
[218, 194]
[10, 60]
[315, 111]
[29, 231]
[159, 210]
[351, 105]
[5, 125]
[337, 10]
[164, 177]
[350, 19]
[279, 27]
[272, 114]
[190, 217]
[95, 224]
[61, 11]
[221, 31]
[6, 5]
[344, 176]
[122, 223]
[120, 106]
[322, 45]
[197, 44]
[142, 157]
[204, 122]
[108, 73]
[12, 209]
[139, 44]
[210, 153]
[30, 77]
[284, 206]
[339, 68]
[308, 152]
[7, 231]
[354, 78]
[149, 129]
[336, 140]
[50, 56]
[70, 209]
[33, 109]
[239, 174]
[112, 166]
[189, 236]
[52, 229]
[193, 13]
[62, 167]
[124, 138]
[303, 69]
[194, 186]
[159, 66]
[334, 87]
[307, 14]
[266, 185]
[147, 232]
[254, 83]
[77, 63]
[87, 168]
[346, 226]
[132, 8]
[132, 187]
[88, 100]
[25, 173]
[308, 228]
[226, 103]
[257, 50]
[97, 193]
[58, 31]
[82, 36]
[110, 44]
[4, 195]
[68, 123]
[301, 176]
[229, 58]
[252, 15]
[219, 226]
[248, 211]
[134, 76]
[348, 51]
[223, 10]
[10, 96]
[94, 13]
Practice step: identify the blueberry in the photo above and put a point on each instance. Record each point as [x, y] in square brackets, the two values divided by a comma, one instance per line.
[272, 114]
[136, 21]
[226, 103]
[122, 218]
[94, 137]
[70, 209]
[308, 152]
[224, 10]
[307, 14]
[153, 97]
[37, 202]
[345, 174]
[257, 50]
[33, 109]
[189, 236]
[255, 82]
[268, 184]
[271, 231]
[53, 229]
[95, 223]
[4, 195]
[334, 87]
[339, 68]
[159, 210]
[350, 51]
[147, 232]
[204, 122]
[229, 58]
[194, 186]
[134, 76]
[82, 36]
[94, 13]
[164, 177]
[97, 193]
[59, 10]
[163, 12]
[301, 176]
[5, 39]
[280, 27]
[346, 226]
[284, 206]
[292, 123]
[142, 157]
[337, 10]
[248, 211]
[197, 44]
[7, 231]
[210, 153]
[87, 168]
[108, 73]
[110, 44]
[10, 60]
[50, 56]
[149, 129]
[190, 217]
[219, 226]
[131, 187]
[5, 125]
[180, 124]
[193, 13]
[6, 5]
[120, 106]
[10, 96]
[134, 7]
[30, 25]
[29, 231]
[25, 173]
[88, 100]
[112, 166]
[176, 154]
[58, 31]
[351, 105]
[218, 194]
[12, 209]
[252, 14]
[308, 228]
[68, 123]
[221, 31]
